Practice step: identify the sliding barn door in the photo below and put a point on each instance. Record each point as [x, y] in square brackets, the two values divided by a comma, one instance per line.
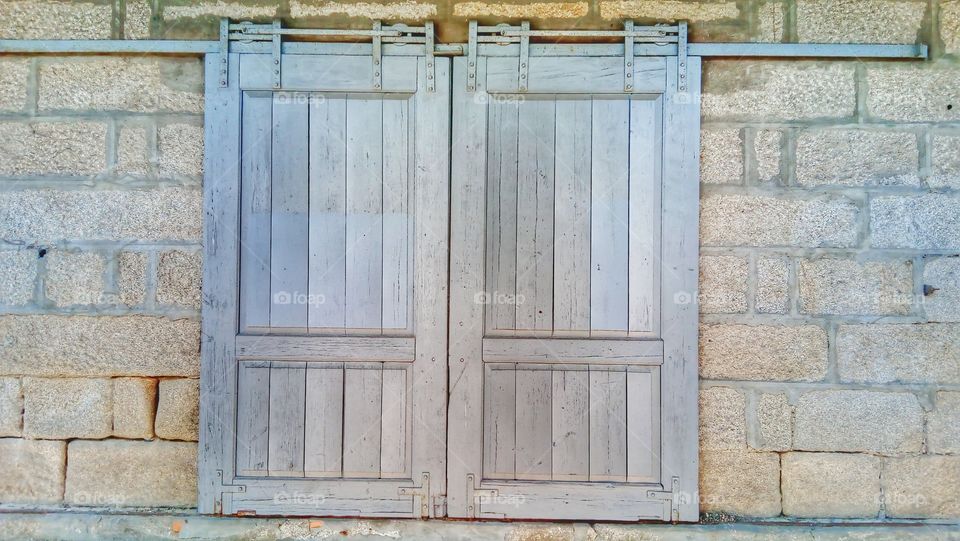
[324, 320]
[573, 274]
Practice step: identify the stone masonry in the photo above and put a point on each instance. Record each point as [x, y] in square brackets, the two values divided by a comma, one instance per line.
[830, 235]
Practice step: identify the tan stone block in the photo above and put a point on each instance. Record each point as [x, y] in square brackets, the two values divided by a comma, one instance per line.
[943, 304]
[11, 407]
[766, 149]
[950, 25]
[178, 278]
[669, 10]
[763, 352]
[750, 220]
[774, 423]
[55, 408]
[133, 83]
[857, 158]
[131, 277]
[134, 406]
[888, 353]
[134, 215]
[181, 150]
[943, 424]
[18, 276]
[38, 19]
[844, 286]
[740, 483]
[75, 278]
[770, 21]
[772, 288]
[13, 83]
[927, 221]
[913, 92]
[178, 412]
[922, 487]
[133, 157]
[49, 345]
[136, 24]
[32, 471]
[721, 156]
[766, 91]
[858, 421]
[132, 473]
[723, 284]
[859, 21]
[527, 10]
[945, 161]
[52, 148]
[404, 10]
[830, 485]
[722, 419]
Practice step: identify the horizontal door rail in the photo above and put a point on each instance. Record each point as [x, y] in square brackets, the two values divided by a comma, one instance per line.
[500, 40]
[326, 348]
[572, 351]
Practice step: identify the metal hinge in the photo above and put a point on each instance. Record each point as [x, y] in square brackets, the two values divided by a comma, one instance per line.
[223, 488]
[476, 496]
[682, 57]
[421, 496]
[671, 499]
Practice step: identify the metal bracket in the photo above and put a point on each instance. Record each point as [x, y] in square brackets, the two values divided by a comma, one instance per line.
[671, 499]
[472, 57]
[428, 51]
[524, 55]
[377, 54]
[476, 495]
[276, 50]
[222, 489]
[628, 56]
[420, 494]
[224, 51]
[682, 56]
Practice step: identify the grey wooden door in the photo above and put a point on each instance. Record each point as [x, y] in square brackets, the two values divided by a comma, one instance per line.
[573, 368]
[325, 300]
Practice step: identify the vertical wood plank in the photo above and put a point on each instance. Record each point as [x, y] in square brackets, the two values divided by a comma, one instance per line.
[328, 194]
[499, 419]
[646, 146]
[290, 225]
[609, 216]
[393, 432]
[571, 423]
[681, 196]
[468, 196]
[535, 200]
[253, 405]
[255, 217]
[643, 426]
[571, 310]
[219, 322]
[608, 412]
[323, 438]
[287, 395]
[364, 249]
[502, 221]
[396, 249]
[362, 390]
[533, 428]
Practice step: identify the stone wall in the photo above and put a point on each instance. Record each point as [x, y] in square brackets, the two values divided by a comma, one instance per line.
[830, 276]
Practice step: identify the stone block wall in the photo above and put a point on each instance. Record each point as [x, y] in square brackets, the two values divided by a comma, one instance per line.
[830, 276]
